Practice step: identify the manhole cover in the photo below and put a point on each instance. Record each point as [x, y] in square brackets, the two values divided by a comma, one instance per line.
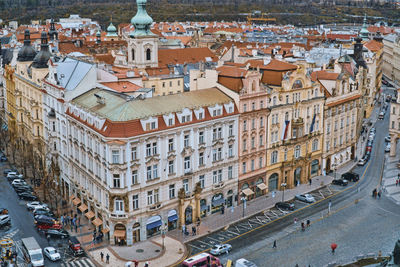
[157, 250]
[139, 250]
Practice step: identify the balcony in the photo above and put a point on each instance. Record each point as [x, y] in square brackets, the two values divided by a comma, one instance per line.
[188, 171]
[155, 207]
[121, 215]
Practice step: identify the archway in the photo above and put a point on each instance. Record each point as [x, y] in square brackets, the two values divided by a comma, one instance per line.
[153, 225]
[273, 182]
[188, 215]
[297, 176]
[229, 201]
[203, 208]
[314, 167]
[172, 220]
[120, 234]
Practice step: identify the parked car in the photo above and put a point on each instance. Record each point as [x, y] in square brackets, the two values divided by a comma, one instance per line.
[387, 148]
[305, 198]
[3, 158]
[43, 223]
[350, 176]
[244, 263]
[35, 204]
[52, 254]
[369, 143]
[341, 182]
[23, 188]
[4, 220]
[27, 196]
[284, 206]
[362, 162]
[58, 233]
[43, 212]
[12, 178]
[219, 249]
[14, 175]
[3, 211]
[74, 246]
[388, 138]
[17, 182]
[381, 115]
[6, 171]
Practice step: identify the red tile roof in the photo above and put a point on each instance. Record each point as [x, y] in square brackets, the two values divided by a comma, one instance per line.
[122, 86]
[231, 71]
[324, 75]
[373, 45]
[276, 65]
[184, 55]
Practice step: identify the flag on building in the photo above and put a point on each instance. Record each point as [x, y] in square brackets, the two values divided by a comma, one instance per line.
[285, 130]
[312, 124]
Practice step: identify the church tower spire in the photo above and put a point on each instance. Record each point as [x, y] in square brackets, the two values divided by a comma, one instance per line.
[364, 33]
[141, 21]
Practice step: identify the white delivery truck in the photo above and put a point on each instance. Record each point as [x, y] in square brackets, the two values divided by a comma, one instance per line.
[33, 251]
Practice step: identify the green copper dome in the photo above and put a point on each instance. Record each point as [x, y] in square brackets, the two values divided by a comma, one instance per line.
[111, 31]
[141, 21]
[364, 29]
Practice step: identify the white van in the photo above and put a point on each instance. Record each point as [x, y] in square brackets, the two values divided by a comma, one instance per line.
[33, 251]
[244, 263]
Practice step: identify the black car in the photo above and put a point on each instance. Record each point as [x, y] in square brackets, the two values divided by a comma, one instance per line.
[6, 171]
[351, 176]
[341, 182]
[21, 189]
[3, 158]
[58, 233]
[284, 206]
[27, 196]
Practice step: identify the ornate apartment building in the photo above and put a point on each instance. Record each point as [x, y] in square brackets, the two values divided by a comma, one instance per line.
[394, 124]
[138, 163]
[294, 142]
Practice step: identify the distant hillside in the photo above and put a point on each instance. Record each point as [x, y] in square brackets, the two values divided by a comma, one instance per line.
[306, 12]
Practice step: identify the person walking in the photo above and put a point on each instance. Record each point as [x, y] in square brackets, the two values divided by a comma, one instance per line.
[183, 230]
[302, 226]
[146, 264]
[48, 239]
[107, 258]
[102, 256]
[62, 220]
[310, 181]
[379, 194]
[308, 223]
[397, 182]
[274, 245]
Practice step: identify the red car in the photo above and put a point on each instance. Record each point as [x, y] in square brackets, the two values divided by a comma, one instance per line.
[43, 222]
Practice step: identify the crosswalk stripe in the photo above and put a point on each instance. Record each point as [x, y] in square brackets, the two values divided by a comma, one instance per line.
[89, 262]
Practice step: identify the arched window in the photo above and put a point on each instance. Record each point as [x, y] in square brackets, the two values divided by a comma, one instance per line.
[133, 54]
[148, 54]
[297, 152]
[274, 101]
[274, 157]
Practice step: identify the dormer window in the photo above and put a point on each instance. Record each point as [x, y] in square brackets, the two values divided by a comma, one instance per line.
[151, 126]
[185, 118]
[217, 112]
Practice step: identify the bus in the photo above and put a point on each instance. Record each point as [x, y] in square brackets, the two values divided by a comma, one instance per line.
[32, 251]
[202, 260]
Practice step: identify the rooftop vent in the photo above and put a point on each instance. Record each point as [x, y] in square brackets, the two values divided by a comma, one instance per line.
[101, 100]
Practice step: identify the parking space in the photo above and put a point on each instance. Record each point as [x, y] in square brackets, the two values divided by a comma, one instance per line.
[262, 218]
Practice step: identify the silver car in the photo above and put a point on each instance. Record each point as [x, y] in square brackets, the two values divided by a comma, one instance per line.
[220, 249]
[4, 220]
[305, 198]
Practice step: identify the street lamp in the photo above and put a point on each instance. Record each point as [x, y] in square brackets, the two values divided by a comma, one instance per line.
[163, 230]
[335, 168]
[243, 198]
[283, 192]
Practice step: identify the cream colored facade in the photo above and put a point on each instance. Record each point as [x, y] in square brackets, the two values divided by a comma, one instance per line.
[394, 124]
[294, 147]
[391, 58]
[165, 85]
[374, 60]
[340, 122]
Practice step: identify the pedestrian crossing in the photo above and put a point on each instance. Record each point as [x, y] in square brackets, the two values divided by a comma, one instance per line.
[10, 234]
[83, 262]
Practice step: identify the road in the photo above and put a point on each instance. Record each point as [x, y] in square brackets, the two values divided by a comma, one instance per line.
[368, 226]
[22, 225]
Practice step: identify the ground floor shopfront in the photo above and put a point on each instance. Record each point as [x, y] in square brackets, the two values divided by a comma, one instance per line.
[333, 161]
[252, 186]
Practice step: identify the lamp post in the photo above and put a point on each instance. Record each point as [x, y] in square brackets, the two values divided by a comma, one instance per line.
[283, 192]
[335, 168]
[163, 230]
[243, 198]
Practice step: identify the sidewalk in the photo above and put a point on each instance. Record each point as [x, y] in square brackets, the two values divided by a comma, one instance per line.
[390, 175]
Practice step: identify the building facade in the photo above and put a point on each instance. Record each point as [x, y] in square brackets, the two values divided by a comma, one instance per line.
[164, 162]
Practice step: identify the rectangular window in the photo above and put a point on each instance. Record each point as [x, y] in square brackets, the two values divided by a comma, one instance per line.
[215, 177]
[134, 177]
[186, 164]
[201, 137]
[261, 141]
[252, 165]
[261, 122]
[170, 122]
[149, 197]
[230, 172]
[170, 144]
[133, 153]
[219, 133]
[171, 191]
[244, 167]
[148, 150]
[156, 196]
[230, 130]
[186, 140]
[115, 156]
[171, 167]
[116, 181]
[149, 173]
[201, 180]
[244, 144]
[119, 205]
[260, 162]
[155, 171]
[201, 158]
[244, 125]
[186, 185]
[230, 151]
[135, 202]
[219, 153]
[214, 154]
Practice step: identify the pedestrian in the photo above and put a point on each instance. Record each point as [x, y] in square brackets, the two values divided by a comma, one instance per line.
[146, 264]
[302, 226]
[274, 245]
[48, 239]
[183, 230]
[333, 250]
[295, 220]
[79, 221]
[76, 228]
[193, 230]
[397, 182]
[310, 181]
[62, 220]
[102, 256]
[308, 223]
[379, 194]
[107, 258]
[222, 209]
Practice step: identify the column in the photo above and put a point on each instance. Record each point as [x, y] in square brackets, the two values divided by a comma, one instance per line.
[393, 145]
[129, 240]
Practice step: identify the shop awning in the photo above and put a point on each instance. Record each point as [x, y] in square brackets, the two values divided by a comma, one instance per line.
[173, 218]
[83, 207]
[248, 192]
[153, 225]
[76, 201]
[217, 202]
[89, 215]
[105, 230]
[119, 233]
[262, 186]
[97, 222]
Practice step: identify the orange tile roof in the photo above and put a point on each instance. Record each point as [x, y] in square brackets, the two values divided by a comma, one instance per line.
[184, 39]
[334, 36]
[276, 65]
[106, 58]
[324, 75]
[158, 71]
[343, 100]
[382, 29]
[374, 45]
[231, 71]
[184, 55]
[122, 86]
